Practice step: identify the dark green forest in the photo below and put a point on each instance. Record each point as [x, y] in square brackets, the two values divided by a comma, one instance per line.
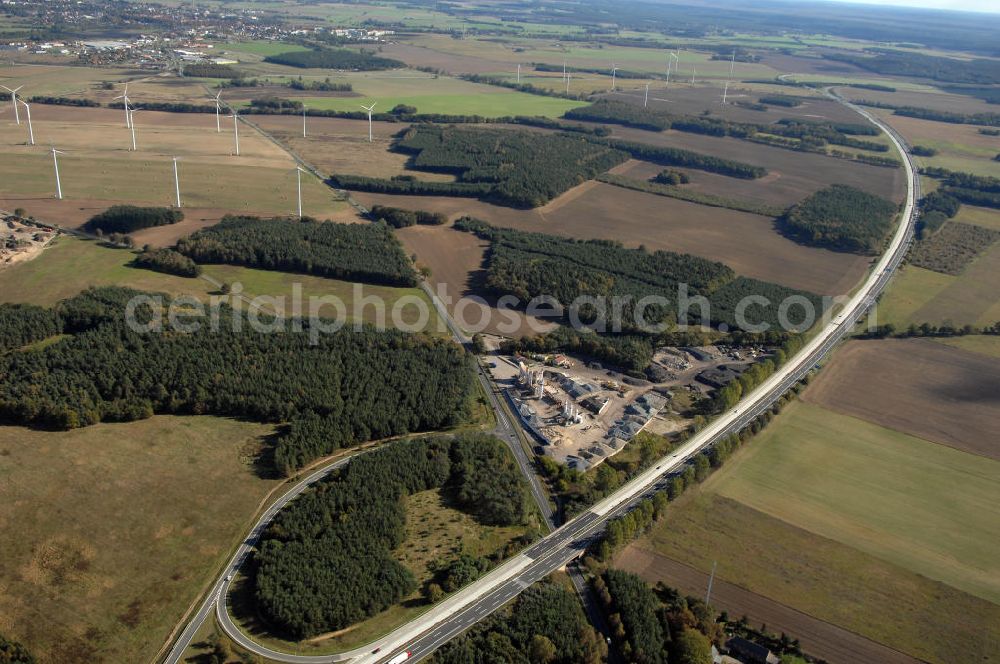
[379, 383]
[22, 324]
[545, 625]
[334, 58]
[919, 65]
[842, 218]
[130, 218]
[528, 265]
[508, 167]
[355, 252]
[326, 561]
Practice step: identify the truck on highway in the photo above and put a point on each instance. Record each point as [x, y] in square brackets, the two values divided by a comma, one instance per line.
[400, 658]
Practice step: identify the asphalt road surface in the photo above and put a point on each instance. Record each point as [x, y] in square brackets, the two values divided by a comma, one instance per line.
[468, 606]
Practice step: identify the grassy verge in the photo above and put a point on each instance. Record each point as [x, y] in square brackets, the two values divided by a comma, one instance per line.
[119, 525]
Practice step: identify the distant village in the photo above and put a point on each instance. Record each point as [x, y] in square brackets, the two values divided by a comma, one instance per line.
[155, 34]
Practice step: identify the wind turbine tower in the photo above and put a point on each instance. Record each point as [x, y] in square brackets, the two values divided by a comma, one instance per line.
[645, 101]
[370, 109]
[614, 76]
[567, 82]
[725, 92]
[732, 64]
[55, 163]
[177, 185]
[303, 120]
[131, 126]
[218, 108]
[298, 182]
[13, 100]
[31, 132]
[236, 131]
[519, 73]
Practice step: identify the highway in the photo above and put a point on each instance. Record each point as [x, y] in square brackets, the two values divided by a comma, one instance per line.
[473, 603]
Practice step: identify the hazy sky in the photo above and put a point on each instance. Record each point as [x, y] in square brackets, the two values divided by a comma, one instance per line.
[966, 5]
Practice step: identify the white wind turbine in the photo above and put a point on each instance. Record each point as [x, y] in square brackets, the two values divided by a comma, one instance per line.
[303, 120]
[236, 131]
[55, 163]
[614, 76]
[177, 184]
[725, 92]
[218, 108]
[124, 97]
[519, 72]
[369, 109]
[645, 101]
[31, 132]
[298, 182]
[13, 100]
[567, 82]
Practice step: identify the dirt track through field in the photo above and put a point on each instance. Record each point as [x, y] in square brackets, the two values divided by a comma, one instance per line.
[920, 387]
[818, 638]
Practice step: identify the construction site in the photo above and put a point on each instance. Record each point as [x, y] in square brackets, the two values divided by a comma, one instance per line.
[21, 241]
[581, 414]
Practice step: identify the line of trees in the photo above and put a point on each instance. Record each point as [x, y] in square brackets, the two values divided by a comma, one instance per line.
[841, 217]
[379, 382]
[355, 252]
[951, 117]
[334, 58]
[968, 188]
[211, 70]
[528, 88]
[666, 156]
[902, 63]
[131, 218]
[167, 261]
[326, 561]
[400, 218]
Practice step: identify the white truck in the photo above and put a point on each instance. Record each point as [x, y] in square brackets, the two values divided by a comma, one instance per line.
[400, 658]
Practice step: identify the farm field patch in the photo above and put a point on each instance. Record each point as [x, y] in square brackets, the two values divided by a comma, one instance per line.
[973, 298]
[976, 343]
[824, 579]
[456, 263]
[72, 264]
[746, 242]
[791, 175]
[63, 81]
[926, 389]
[97, 165]
[910, 289]
[880, 491]
[120, 526]
[979, 216]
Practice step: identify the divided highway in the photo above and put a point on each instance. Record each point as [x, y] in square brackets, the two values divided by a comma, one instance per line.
[463, 609]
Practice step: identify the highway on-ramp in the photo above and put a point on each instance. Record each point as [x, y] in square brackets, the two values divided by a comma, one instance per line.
[468, 606]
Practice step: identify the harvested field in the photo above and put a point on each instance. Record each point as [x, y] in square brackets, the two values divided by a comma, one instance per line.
[973, 298]
[825, 580]
[762, 190]
[928, 508]
[917, 386]
[421, 56]
[746, 242]
[456, 261]
[818, 638]
[793, 175]
[260, 181]
[927, 97]
[334, 145]
[119, 526]
[953, 247]
[960, 146]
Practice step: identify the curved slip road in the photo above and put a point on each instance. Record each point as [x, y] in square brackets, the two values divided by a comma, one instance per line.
[478, 600]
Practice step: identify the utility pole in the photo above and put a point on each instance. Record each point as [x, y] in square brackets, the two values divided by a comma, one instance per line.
[177, 185]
